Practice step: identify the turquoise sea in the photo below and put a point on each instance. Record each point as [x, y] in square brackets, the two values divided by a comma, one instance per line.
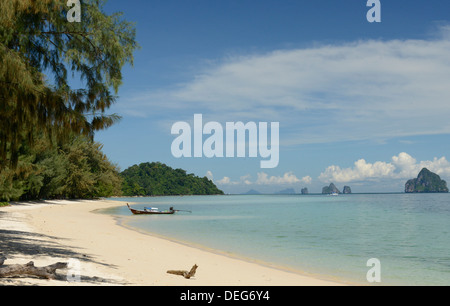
[329, 236]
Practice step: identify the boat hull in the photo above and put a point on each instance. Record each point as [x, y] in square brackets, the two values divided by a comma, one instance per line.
[149, 212]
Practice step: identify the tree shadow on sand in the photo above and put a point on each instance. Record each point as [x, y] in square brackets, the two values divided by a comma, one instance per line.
[14, 243]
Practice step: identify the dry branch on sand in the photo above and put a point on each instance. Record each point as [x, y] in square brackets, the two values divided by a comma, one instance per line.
[30, 270]
[184, 273]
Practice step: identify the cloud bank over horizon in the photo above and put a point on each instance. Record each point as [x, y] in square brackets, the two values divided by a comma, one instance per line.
[402, 167]
[263, 178]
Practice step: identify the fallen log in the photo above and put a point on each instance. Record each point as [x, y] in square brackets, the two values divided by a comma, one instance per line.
[29, 269]
[184, 273]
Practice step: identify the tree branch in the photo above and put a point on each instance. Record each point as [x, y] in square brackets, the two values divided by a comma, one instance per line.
[184, 273]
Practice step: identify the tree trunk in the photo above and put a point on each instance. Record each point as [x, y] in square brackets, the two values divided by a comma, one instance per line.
[27, 270]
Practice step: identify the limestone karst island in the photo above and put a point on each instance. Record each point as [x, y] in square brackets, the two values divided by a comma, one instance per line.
[426, 182]
[332, 189]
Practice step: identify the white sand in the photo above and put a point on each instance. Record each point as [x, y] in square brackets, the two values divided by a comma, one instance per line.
[109, 254]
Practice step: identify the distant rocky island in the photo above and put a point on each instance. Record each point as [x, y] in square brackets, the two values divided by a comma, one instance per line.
[305, 191]
[426, 182]
[286, 191]
[251, 192]
[333, 189]
[330, 189]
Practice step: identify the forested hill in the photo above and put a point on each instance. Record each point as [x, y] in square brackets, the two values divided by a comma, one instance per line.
[152, 179]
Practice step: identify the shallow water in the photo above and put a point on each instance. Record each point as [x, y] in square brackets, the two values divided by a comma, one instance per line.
[326, 235]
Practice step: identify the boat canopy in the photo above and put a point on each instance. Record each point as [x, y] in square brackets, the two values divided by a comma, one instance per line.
[151, 208]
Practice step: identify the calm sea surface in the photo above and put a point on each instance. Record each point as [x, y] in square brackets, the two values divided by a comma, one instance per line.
[332, 236]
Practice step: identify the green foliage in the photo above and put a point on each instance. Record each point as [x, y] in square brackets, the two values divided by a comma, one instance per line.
[75, 169]
[152, 179]
[40, 53]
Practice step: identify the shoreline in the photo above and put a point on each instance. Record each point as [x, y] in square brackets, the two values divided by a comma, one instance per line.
[235, 256]
[120, 255]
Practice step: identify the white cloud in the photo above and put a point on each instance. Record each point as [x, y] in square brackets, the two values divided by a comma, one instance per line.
[264, 179]
[361, 171]
[306, 179]
[245, 179]
[403, 166]
[226, 181]
[287, 178]
[353, 91]
[209, 175]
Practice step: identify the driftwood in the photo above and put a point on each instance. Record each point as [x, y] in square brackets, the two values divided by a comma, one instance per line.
[27, 270]
[184, 273]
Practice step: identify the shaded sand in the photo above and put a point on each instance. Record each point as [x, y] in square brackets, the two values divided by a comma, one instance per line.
[109, 254]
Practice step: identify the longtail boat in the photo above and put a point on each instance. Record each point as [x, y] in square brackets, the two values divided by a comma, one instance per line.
[151, 211]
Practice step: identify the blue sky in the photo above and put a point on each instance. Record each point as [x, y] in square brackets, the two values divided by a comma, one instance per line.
[359, 104]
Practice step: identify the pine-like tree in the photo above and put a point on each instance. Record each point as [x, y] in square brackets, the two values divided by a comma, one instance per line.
[40, 55]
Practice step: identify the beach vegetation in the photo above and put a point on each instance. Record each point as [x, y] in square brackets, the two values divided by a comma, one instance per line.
[58, 80]
[74, 169]
[44, 58]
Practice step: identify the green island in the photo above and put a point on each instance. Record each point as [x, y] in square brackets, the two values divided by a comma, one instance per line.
[156, 179]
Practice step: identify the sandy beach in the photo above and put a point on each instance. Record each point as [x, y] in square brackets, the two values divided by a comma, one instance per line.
[101, 252]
